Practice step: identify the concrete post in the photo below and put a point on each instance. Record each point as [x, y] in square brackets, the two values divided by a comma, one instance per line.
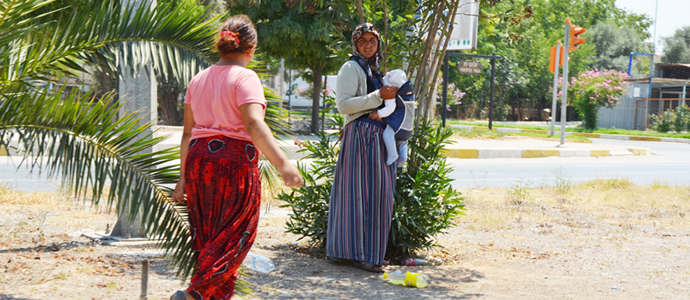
[139, 91]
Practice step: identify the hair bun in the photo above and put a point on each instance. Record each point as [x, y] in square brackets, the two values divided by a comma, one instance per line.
[237, 35]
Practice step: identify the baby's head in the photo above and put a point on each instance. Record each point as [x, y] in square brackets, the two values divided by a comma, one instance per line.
[395, 78]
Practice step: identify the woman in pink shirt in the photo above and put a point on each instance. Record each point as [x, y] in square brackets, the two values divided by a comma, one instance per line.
[223, 127]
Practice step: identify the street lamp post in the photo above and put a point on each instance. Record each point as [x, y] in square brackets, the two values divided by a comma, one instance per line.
[651, 63]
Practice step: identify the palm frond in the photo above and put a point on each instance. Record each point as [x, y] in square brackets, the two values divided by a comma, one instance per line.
[82, 140]
[80, 137]
[15, 19]
[176, 40]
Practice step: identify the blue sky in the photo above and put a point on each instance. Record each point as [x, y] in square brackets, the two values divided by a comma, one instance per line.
[672, 15]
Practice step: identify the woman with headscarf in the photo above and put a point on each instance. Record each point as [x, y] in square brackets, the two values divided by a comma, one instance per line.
[361, 204]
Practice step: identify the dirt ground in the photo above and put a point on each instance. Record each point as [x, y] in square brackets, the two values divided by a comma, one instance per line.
[600, 240]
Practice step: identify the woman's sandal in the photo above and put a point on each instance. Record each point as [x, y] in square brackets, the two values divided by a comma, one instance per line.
[367, 266]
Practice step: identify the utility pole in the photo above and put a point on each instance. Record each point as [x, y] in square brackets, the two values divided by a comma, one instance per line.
[564, 96]
[555, 88]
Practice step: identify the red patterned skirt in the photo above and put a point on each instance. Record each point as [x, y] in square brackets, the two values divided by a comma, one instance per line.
[223, 188]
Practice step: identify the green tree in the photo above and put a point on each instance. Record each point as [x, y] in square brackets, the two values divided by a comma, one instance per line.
[614, 45]
[523, 31]
[677, 46]
[425, 202]
[302, 32]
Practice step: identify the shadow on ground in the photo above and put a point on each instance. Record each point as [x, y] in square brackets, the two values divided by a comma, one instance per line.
[50, 248]
[10, 297]
[299, 276]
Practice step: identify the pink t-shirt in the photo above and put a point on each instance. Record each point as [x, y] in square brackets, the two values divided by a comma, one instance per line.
[215, 95]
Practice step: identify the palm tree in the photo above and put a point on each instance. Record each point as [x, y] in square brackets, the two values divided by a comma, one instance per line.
[78, 131]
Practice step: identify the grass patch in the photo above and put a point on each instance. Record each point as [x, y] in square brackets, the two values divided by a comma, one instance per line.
[684, 135]
[612, 201]
[485, 124]
[519, 194]
[649, 133]
[608, 184]
[62, 276]
[492, 134]
[478, 134]
[572, 138]
[111, 287]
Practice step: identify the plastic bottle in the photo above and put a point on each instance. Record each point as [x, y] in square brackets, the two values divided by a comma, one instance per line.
[407, 279]
[259, 263]
[416, 262]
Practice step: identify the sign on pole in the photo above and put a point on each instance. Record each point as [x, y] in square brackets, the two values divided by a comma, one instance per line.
[464, 35]
[469, 67]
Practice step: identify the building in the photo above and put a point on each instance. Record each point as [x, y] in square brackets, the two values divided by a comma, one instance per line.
[669, 89]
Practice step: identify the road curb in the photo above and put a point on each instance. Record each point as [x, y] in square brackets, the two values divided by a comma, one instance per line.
[584, 134]
[465, 153]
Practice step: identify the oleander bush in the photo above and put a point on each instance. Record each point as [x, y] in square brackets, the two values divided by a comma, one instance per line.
[425, 202]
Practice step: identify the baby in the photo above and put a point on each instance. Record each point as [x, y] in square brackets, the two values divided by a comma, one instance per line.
[398, 113]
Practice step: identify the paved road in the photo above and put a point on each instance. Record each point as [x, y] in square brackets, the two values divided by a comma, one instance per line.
[669, 163]
[22, 178]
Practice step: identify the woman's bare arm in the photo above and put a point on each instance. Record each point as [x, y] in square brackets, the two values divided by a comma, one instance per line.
[178, 194]
[253, 119]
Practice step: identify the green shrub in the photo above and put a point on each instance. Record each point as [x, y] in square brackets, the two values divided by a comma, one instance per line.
[519, 194]
[309, 203]
[680, 123]
[663, 123]
[564, 183]
[677, 119]
[425, 202]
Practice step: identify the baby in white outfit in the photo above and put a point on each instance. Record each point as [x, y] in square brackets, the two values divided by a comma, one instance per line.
[395, 78]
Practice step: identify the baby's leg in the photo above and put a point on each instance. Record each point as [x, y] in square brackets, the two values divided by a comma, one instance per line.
[389, 141]
[402, 151]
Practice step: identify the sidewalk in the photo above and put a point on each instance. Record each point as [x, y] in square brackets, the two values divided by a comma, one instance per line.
[507, 147]
[519, 147]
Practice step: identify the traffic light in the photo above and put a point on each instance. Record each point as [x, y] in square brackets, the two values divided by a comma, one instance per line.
[552, 59]
[575, 39]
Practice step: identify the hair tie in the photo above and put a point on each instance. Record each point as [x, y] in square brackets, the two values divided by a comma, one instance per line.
[230, 33]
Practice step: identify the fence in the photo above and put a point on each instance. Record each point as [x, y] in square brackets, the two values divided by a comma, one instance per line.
[656, 106]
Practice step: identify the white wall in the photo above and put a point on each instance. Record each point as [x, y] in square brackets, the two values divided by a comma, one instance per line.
[302, 102]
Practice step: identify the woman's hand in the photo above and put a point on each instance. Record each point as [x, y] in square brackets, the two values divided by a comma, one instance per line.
[374, 116]
[178, 194]
[388, 92]
[291, 175]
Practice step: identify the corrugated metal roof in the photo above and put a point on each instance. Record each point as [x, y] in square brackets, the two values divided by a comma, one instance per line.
[660, 82]
[678, 71]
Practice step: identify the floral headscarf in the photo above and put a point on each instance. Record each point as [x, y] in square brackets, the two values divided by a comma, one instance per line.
[372, 62]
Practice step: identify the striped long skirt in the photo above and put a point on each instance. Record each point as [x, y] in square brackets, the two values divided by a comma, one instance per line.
[361, 204]
[223, 187]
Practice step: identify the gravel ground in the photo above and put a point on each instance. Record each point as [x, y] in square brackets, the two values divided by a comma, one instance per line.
[541, 250]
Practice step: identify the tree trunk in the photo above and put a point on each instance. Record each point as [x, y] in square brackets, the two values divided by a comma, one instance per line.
[438, 59]
[385, 29]
[316, 81]
[168, 96]
[424, 69]
[360, 11]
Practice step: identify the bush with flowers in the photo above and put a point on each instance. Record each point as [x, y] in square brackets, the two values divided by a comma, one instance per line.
[594, 89]
[453, 101]
[306, 91]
